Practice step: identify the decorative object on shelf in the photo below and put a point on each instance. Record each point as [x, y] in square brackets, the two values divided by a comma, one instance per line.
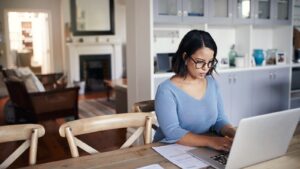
[281, 58]
[240, 61]
[258, 55]
[271, 56]
[232, 55]
[68, 32]
[224, 63]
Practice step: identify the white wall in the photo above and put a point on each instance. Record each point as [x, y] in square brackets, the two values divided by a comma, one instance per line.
[53, 7]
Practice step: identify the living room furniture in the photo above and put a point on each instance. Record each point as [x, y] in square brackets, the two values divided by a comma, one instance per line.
[28, 132]
[146, 106]
[53, 80]
[49, 81]
[39, 106]
[111, 84]
[107, 122]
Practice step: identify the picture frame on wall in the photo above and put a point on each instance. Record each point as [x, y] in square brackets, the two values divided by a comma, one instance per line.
[280, 58]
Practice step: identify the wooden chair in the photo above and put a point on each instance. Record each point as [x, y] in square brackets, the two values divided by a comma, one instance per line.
[146, 106]
[28, 132]
[106, 122]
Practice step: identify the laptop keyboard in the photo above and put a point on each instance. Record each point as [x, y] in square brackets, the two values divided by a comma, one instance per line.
[221, 158]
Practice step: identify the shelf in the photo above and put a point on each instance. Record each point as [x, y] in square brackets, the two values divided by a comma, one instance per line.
[224, 70]
[295, 91]
[162, 74]
[296, 65]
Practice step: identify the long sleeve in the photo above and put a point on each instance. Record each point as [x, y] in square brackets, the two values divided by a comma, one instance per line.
[166, 111]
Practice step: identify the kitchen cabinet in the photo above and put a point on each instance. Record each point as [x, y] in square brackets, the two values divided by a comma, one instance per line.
[274, 12]
[252, 93]
[180, 11]
[259, 12]
[243, 11]
[270, 90]
[236, 92]
[283, 14]
[220, 11]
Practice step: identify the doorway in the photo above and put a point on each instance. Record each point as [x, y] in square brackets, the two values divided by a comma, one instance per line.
[29, 40]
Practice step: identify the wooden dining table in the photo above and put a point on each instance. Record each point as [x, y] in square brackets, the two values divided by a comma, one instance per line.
[144, 155]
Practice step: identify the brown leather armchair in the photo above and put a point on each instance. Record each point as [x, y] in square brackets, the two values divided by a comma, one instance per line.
[40, 106]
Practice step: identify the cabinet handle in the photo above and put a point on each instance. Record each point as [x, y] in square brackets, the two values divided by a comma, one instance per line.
[179, 13]
[271, 76]
[229, 80]
[274, 76]
[234, 79]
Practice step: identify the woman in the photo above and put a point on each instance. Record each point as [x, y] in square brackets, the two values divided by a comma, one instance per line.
[189, 105]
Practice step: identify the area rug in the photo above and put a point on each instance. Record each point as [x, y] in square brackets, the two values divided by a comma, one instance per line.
[95, 107]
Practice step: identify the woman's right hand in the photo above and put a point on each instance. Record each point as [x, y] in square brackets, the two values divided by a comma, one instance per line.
[220, 143]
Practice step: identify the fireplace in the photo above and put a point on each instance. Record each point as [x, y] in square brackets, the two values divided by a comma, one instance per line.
[93, 70]
[75, 50]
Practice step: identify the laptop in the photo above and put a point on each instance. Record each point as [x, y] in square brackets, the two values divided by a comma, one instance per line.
[257, 139]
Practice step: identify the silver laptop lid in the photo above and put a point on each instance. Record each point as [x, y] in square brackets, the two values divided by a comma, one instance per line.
[262, 138]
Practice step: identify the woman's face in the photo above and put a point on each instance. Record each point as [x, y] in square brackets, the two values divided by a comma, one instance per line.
[200, 63]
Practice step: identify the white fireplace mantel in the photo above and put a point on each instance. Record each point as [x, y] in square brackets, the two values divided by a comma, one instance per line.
[76, 49]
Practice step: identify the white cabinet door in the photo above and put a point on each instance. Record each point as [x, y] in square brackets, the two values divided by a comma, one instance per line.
[279, 95]
[220, 11]
[224, 82]
[270, 91]
[261, 92]
[167, 11]
[283, 12]
[236, 91]
[241, 91]
[194, 11]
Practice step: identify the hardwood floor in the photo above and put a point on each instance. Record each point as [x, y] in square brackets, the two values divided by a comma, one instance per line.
[52, 147]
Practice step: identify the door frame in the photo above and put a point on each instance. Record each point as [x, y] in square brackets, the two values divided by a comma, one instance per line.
[9, 61]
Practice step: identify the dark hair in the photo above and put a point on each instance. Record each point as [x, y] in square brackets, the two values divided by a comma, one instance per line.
[191, 42]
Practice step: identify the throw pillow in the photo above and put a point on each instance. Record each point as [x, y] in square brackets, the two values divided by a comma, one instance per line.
[30, 79]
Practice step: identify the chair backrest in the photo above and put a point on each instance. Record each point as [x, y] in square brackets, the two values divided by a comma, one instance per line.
[146, 106]
[107, 122]
[28, 132]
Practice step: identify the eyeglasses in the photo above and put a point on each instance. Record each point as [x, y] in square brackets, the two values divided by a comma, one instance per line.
[199, 64]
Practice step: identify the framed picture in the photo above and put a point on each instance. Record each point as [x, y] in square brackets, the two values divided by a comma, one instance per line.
[280, 58]
[224, 63]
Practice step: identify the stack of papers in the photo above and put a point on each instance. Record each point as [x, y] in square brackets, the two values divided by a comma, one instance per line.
[178, 155]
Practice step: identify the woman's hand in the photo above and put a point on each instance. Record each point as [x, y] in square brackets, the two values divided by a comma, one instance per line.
[220, 143]
[228, 131]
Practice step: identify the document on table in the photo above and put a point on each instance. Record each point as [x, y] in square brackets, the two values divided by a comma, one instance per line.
[152, 166]
[178, 155]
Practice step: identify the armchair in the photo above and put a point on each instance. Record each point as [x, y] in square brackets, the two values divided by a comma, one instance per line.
[39, 106]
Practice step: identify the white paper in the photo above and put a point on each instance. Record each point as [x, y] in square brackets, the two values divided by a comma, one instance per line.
[178, 155]
[152, 166]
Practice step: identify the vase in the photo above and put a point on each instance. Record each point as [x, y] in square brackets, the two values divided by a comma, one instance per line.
[258, 56]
